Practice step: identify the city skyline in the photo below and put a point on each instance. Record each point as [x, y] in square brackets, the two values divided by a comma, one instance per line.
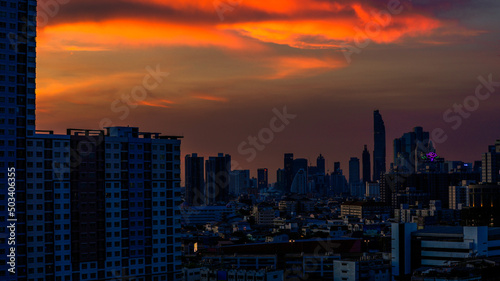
[225, 77]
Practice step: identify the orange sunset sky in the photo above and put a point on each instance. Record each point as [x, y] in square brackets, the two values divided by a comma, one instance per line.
[231, 62]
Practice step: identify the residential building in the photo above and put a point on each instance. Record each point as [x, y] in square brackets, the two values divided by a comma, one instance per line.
[194, 180]
[217, 179]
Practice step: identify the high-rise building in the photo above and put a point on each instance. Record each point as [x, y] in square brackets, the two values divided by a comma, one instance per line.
[280, 180]
[366, 165]
[195, 181]
[217, 179]
[89, 205]
[262, 179]
[288, 166]
[491, 164]
[409, 149]
[379, 146]
[17, 122]
[354, 180]
[320, 164]
[336, 167]
[239, 182]
[300, 164]
[299, 184]
[101, 204]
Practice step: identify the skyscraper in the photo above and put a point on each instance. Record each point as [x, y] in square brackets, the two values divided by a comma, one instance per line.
[491, 164]
[320, 164]
[217, 179]
[239, 182]
[195, 181]
[379, 151]
[288, 166]
[17, 121]
[354, 180]
[409, 148]
[366, 165]
[336, 167]
[262, 179]
[89, 205]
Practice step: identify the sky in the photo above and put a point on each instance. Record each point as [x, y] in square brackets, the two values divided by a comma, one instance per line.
[224, 68]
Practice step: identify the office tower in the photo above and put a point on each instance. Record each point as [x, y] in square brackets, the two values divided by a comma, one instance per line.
[409, 149]
[17, 121]
[354, 180]
[288, 166]
[195, 181]
[336, 167]
[217, 179]
[300, 164]
[320, 164]
[262, 179]
[379, 150]
[102, 204]
[280, 180]
[490, 165]
[366, 165]
[239, 182]
[299, 184]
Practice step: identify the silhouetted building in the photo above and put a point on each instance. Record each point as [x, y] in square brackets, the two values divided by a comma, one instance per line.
[194, 180]
[320, 164]
[379, 146]
[300, 164]
[262, 179]
[366, 165]
[491, 164]
[395, 185]
[288, 166]
[217, 179]
[299, 184]
[336, 167]
[409, 150]
[280, 180]
[239, 182]
[355, 185]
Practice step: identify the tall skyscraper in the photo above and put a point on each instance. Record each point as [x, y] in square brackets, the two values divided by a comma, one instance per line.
[320, 164]
[17, 122]
[379, 151]
[366, 165]
[262, 179]
[288, 166]
[490, 165]
[354, 180]
[217, 179]
[195, 181]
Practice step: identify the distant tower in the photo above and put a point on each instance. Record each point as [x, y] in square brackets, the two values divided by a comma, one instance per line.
[217, 177]
[354, 181]
[195, 182]
[262, 182]
[491, 164]
[366, 165]
[336, 167]
[288, 166]
[320, 164]
[299, 184]
[378, 146]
